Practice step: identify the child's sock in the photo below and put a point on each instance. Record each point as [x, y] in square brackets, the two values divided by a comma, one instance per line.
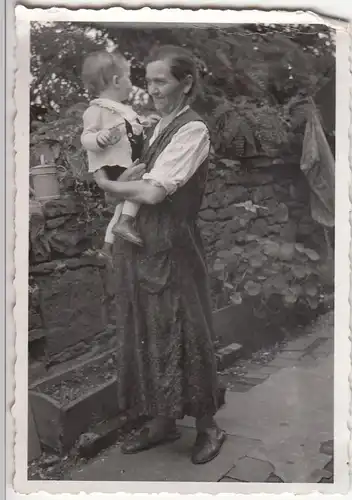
[125, 229]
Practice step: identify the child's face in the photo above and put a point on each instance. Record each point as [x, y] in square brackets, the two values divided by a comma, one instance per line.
[123, 83]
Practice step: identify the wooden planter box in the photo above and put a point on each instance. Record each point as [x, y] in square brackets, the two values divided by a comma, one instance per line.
[59, 424]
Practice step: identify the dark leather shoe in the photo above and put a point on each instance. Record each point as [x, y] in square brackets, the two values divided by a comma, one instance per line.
[208, 445]
[127, 232]
[146, 439]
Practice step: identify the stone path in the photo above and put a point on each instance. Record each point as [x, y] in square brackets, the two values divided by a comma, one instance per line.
[278, 417]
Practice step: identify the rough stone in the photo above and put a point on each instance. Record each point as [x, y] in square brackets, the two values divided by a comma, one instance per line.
[62, 206]
[39, 248]
[262, 193]
[259, 227]
[56, 222]
[208, 215]
[228, 355]
[69, 241]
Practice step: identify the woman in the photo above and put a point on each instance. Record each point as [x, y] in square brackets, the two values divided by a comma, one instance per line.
[166, 362]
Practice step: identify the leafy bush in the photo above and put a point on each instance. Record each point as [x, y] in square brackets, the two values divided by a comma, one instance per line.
[265, 268]
[243, 127]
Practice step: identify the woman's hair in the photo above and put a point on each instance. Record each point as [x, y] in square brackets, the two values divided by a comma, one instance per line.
[100, 67]
[181, 62]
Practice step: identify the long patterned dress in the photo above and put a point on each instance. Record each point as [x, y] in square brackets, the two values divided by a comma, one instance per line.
[165, 359]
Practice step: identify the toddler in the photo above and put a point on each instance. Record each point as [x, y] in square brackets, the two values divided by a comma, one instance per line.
[112, 133]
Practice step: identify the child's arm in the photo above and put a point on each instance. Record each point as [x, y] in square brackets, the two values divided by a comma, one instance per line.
[94, 137]
[91, 129]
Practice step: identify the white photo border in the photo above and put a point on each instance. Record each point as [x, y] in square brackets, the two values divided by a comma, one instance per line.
[20, 297]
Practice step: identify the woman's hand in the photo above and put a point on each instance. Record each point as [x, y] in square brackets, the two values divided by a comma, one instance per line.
[133, 173]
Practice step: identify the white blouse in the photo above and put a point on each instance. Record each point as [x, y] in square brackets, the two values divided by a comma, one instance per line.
[186, 151]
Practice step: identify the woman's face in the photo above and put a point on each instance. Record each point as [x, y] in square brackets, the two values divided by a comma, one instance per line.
[166, 91]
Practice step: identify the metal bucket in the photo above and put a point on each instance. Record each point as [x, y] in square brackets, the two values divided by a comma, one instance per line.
[45, 182]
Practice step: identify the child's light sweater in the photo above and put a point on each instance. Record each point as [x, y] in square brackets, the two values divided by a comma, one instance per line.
[106, 114]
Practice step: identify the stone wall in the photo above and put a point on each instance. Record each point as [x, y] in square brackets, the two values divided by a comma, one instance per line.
[256, 199]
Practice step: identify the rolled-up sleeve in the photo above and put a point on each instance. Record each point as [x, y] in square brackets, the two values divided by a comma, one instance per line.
[181, 158]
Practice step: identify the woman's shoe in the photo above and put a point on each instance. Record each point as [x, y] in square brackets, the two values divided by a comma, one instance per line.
[208, 445]
[146, 439]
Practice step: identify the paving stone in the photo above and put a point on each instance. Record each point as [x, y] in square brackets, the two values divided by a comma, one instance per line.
[317, 475]
[316, 344]
[273, 478]
[327, 447]
[227, 479]
[327, 480]
[325, 348]
[289, 355]
[330, 466]
[300, 344]
[307, 361]
[280, 363]
[241, 386]
[251, 470]
[268, 370]
[256, 375]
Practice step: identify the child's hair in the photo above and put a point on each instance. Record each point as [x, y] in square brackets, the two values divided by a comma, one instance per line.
[99, 68]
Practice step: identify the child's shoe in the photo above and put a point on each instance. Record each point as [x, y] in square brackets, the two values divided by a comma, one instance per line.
[124, 228]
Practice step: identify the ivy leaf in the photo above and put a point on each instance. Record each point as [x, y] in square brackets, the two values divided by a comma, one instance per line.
[218, 266]
[228, 286]
[311, 290]
[300, 248]
[236, 298]
[312, 254]
[272, 249]
[287, 251]
[299, 272]
[256, 262]
[312, 302]
[252, 288]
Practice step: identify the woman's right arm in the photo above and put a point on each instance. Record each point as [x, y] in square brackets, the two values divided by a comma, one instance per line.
[120, 188]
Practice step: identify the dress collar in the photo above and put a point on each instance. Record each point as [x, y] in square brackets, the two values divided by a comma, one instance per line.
[115, 107]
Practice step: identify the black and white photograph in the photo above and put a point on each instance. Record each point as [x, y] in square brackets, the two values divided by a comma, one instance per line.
[182, 282]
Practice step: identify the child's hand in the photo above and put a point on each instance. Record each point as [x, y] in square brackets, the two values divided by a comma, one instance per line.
[108, 137]
[149, 121]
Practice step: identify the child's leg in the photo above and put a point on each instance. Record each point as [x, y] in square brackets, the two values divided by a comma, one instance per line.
[130, 208]
[109, 235]
[124, 227]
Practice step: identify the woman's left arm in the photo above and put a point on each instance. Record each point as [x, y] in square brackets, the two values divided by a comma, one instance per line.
[128, 188]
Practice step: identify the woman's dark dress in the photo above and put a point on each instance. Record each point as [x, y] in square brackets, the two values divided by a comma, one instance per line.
[165, 360]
